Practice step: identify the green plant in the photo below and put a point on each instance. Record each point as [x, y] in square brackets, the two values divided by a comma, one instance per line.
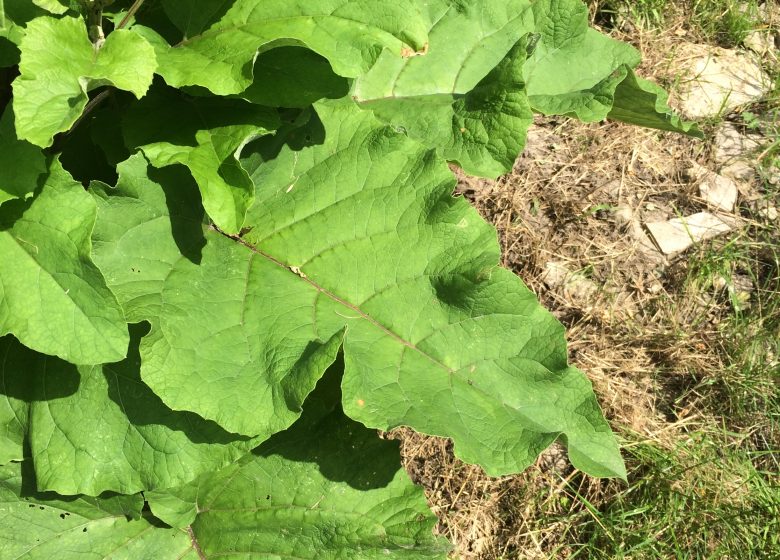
[726, 22]
[206, 205]
[646, 13]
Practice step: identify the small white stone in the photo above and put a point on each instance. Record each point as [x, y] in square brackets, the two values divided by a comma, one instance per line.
[579, 288]
[678, 234]
[716, 80]
[760, 42]
[719, 192]
[735, 152]
[555, 274]
[769, 212]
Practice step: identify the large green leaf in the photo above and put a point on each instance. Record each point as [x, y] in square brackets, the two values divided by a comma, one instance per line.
[574, 69]
[446, 97]
[327, 488]
[51, 91]
[360, 233]
[52, 297]
[206, 135]
[102, 420]
[21, 163]
[42, 526]
[349, 33]
[150, 237]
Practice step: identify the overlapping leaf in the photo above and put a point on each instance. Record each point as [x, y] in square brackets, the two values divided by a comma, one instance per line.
[42, 526]
[483, 130]
[349, 33]
[21, 163]
[293, 77]
[445, 98]
[206, 135]
[104, 421]
[52, 297]
[51, 91]
[574, 69]
[360, 234]
[296, 496]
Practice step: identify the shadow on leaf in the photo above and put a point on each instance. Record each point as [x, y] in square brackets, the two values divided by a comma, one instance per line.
[344, 450]
[143, 407]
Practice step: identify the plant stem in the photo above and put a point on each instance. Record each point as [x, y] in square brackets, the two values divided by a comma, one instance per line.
[130, 13]
[103, 95]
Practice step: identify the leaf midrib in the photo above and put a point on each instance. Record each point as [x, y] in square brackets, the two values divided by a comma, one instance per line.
[341, 301]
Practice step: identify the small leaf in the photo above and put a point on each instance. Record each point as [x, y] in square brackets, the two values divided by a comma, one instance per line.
[327, 488]
[208, 136]
[54, 298]
[51, 91]
[21, 163]
[54, 6]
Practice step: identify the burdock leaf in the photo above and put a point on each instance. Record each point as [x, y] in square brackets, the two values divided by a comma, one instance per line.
[102, 420]
[51, 91]
[356, 501]
[52, 297]
[349, 33]
[359, 235]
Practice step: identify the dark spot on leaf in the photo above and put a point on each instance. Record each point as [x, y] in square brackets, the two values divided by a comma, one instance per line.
[31, 505]
[84, 530]
[62, 516]
[268, 497]
[41, 508]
